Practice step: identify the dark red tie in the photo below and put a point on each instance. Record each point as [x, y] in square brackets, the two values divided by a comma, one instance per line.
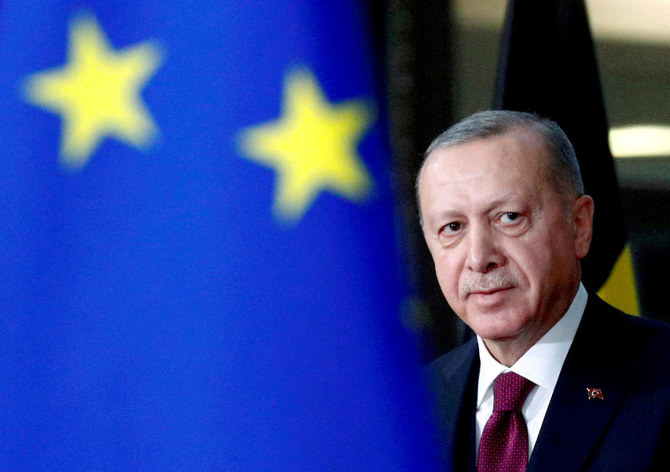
[504, 442]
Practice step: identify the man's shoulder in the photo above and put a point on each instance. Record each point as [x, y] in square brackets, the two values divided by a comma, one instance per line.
[455, 362]
[627, 359]
[634, 344]
[455, 357]
[610, 321]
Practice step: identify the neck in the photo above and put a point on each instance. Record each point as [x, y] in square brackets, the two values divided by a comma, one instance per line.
[509, 350]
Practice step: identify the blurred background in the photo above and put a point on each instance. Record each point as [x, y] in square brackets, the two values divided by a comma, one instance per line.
[210, 256]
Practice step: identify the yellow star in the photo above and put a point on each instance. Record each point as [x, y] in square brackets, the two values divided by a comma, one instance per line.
[97, 93]
[312, 147]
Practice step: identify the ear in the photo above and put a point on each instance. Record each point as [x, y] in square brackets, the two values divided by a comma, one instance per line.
[582, 214]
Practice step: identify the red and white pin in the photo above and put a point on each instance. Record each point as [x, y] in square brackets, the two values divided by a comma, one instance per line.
[594, 393]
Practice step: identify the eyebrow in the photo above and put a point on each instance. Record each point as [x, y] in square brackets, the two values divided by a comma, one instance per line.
[450, 213]
[436, 219]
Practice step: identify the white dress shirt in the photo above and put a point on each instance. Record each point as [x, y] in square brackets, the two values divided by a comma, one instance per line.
[541, 364]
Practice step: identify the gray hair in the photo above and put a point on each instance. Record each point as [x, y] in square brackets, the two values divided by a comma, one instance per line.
[563, 172]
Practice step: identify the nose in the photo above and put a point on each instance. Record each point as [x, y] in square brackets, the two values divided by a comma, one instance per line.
[483, 252]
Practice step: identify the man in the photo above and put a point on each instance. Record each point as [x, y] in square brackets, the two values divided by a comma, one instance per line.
[506, 220]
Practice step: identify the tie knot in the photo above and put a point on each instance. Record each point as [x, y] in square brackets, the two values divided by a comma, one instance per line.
[510, 391]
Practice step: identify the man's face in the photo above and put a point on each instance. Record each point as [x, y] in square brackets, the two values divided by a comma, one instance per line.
[506, 246]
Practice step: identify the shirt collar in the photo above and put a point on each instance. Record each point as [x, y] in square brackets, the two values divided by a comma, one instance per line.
[542, 363]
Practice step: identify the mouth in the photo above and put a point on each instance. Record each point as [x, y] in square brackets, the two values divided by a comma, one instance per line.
[489, 294]
[489, 291]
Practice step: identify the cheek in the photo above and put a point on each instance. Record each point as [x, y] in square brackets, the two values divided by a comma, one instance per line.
[448, 273]
[535, 261]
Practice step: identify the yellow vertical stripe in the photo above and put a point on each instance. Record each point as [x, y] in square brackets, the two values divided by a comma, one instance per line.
[619, 289]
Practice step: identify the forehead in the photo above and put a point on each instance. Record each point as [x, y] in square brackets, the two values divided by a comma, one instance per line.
[518, 154]
[510, 163]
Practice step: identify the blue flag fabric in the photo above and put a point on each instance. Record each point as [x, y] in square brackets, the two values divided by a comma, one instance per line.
[199, 261]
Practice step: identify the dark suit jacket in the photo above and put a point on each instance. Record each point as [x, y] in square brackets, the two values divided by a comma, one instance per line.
[628, 358]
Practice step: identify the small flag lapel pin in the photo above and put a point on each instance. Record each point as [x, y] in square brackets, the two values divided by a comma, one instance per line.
[594, 393]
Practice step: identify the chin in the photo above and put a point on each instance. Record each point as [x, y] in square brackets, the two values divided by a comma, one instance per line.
[497, 326]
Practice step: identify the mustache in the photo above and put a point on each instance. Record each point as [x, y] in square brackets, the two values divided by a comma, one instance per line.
[486, 282]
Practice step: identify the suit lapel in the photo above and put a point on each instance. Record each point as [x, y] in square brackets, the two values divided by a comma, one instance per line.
[574, 423]
[454, 380]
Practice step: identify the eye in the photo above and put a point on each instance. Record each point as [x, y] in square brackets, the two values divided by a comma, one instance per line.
[452, 227]
[513, 223]
[451, 233]
[510, 217]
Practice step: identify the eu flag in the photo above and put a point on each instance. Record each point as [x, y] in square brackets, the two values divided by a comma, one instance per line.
[199, 254]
